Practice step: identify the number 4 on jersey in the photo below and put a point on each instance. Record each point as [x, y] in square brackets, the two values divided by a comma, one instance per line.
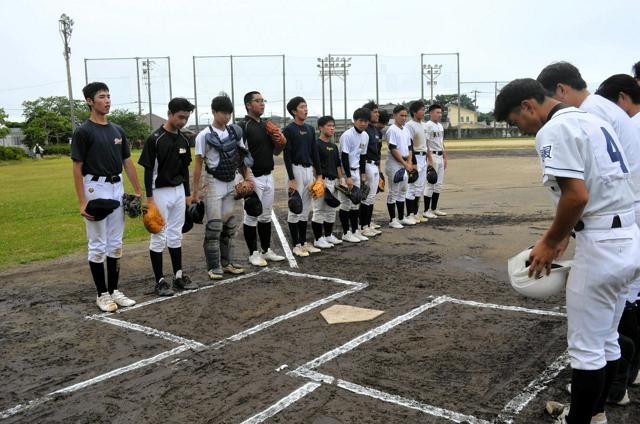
[614, 152]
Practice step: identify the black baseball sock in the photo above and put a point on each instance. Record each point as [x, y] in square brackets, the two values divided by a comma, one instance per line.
[293, 230]
[264, 232]
[409, 204]
[416, 205]
[317, 229]
[250, 237]
[156, 264]
[434, 201]
[353, 219]
[302, 231]
[363, 214]
[369, 214]
[427, 202]
[391, 207]
[344, 220]
[328, 228]
[113, 273]
[586, 388]
[610, 371]
[176, 259]
[400, 206]
[97, 272]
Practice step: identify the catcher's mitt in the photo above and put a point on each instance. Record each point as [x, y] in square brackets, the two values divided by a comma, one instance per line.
[432, 175]
[317, 189]
[152, 219]
[243, 189]
[272, 129]
[413, 176]
[132, 205]
[381, 184]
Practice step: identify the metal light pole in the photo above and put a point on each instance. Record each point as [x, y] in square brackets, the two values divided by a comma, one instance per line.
[432, 72]
[321, 64]
[65, 28]
[146, 73]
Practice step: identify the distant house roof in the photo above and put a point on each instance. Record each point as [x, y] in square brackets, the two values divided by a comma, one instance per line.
[156, 121]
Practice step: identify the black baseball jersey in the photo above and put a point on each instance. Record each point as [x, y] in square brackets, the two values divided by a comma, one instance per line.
[374, 148]
[166, 157]
[101, 148]
[259, 144]
[300, 148]
[329, 156]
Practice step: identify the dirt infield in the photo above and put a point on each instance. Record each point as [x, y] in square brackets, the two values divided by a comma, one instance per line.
[455, 343]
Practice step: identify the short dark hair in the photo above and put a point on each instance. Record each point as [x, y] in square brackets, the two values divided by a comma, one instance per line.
[371, 105]
[514, 93]
[90, 90]
[222, 104]
[180, 104]
[434, 107]
[399, 109]
[293, 104]
[249, 96]
[324, 120]
[614, 85]
[362, 113]
[384, 117]
[636, 70]
[561, 73]
[416, 106]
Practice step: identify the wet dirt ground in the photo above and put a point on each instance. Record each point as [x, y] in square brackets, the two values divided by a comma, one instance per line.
[469, 359]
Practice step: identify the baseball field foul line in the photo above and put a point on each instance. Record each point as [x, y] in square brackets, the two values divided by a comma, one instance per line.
[283, 241]
[505, 308]
[283, 403]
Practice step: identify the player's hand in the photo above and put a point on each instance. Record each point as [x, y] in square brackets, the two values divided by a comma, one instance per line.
[349, 182]
[445, 163]
[292, 185]
[188, 200]
[83, 212]
[562, 247]
[541, 258]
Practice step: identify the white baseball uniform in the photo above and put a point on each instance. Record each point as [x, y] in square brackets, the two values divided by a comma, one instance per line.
[418, 135]
[354, 144]
[401, 139]
[435, 142]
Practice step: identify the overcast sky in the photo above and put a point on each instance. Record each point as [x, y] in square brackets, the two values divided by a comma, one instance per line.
[497, 41]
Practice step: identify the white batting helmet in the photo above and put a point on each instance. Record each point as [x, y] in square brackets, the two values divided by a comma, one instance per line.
[541, 287]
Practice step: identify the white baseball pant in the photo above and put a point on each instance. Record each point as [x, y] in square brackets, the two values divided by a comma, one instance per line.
[171, 204]
[438, 165]
[345, 203]
[416, 189]
[219, 200]
[634, 290]
[304, 178]
[373, 177]
[265, 191]
[104, 237]
[396, 191]
[321, 211]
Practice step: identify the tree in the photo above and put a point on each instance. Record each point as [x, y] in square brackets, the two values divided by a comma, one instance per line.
[46, 127]
[465, 101]
[55, 104]
[135, 130]
[485, 117]
[3, 123]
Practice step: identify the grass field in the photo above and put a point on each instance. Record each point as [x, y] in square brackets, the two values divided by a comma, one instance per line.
[39, 216]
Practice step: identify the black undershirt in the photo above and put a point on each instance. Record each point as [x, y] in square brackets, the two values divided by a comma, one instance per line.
[300, 148]
[173, 155]
[101, 148]
[329, 159]
[260, 145]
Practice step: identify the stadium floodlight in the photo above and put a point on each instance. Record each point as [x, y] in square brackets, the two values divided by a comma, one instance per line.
[66, 28]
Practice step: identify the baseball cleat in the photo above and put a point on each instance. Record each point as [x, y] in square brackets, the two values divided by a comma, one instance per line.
[369, 232]
[121, 300]
[256, 259]
[636, 382]
[429, 214]
[374, 225]
[407, 221]
[232, 269]
[310, 248]
[438, 212]
[350, 237]
[322, 243]
[416, 218]
[270, 255]
[106, 303]
[360, 236]
[298, 250]
[333, 239]
[215, 274]
[184, 283]
[162, 288]
[395, 224]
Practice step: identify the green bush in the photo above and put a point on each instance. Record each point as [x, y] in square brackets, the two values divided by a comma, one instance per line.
[57, 149]
[12, 153]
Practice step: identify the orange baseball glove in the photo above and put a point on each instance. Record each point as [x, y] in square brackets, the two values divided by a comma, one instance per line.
[272, 129]
[243, 189]
[317, 189]
[152, 218]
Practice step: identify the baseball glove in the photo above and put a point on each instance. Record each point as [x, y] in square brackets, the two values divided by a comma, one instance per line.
[272, 129]
[381, 184]
[364, 190]
[132, 205]
[343, 189]
[317, 189]
[243, 189]
[152, 219]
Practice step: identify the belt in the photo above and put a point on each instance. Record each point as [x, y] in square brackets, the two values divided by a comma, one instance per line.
[605, 222]
[373, 162]
[107, 179]
[421, 153]
[260, 173]
[329, 178]
[438, 152]
[304, 165]
[354, 169]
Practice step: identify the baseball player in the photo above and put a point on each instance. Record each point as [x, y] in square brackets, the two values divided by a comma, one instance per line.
[301, 161]
[100, 150]
[220, 147]
[584, 166]
[353, 148]
[324, 215]
[400, 156]
[262, 149]
[372, 169]
[623, 90]
[422, 155]
[166, 156]
[438, 154]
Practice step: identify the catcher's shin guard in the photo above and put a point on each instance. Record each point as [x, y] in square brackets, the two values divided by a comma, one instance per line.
[226, 241]
[211, 243]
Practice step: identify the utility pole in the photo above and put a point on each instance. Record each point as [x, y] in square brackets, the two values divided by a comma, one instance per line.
[146, 74]
[65, 28]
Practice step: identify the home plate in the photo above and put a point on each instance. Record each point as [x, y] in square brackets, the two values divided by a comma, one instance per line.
[339, 314]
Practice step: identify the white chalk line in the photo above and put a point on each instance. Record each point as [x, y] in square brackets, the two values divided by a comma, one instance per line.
[283, 241]
[283, 403]
[518, 403]
[505, 307]
[317, 277]
[84, 384]
[192, 344]
[177, 295]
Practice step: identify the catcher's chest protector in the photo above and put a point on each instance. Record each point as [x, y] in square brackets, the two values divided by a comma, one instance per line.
[228, 151]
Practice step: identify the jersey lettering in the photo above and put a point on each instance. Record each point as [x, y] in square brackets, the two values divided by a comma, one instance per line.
[614, 152]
